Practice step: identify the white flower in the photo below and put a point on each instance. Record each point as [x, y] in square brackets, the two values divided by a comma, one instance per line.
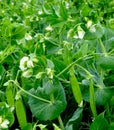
[23, 63]
[67, 5]
[30, 64]
[49, 28]
[75, 36]
[28, 73]
[50, 72]
[40, 12]
[39, 75]
[56, 127]
[92, 28]
[89, 24]
[4, 124]
[28, 37]
[41, 126]
[81, 32]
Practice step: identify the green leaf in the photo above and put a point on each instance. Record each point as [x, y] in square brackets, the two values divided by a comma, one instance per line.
[52, 91]
[100, 123]
[106, 62]
[95, 35]
[63, 12]
[18, 30]
[102, 95]
[74, 121]
[111, 127]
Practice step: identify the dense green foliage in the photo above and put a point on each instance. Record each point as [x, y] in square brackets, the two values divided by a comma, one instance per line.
[57, 64]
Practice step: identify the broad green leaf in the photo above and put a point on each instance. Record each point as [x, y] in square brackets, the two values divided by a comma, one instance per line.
[51, 91]
[102, 95]
[18, 30]
[74, 121]
[63, 11]
[111, 127]
[97, 34]
[106, 62]
[100, 123]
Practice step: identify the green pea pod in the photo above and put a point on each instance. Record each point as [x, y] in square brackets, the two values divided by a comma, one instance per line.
[106, 62]
[92, 99]
[9, 95]
[75, 87]
[20, 113]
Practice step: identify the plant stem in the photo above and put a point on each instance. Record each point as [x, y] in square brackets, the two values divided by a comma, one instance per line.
[102, 47]
[61, 123]
[73, 63]
[41, 99]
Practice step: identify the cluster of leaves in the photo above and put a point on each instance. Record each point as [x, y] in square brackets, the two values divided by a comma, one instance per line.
[56, 63]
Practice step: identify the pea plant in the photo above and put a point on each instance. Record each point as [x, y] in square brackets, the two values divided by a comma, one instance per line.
[56, 65]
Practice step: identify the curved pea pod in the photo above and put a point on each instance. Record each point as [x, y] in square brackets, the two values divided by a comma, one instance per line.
[106, 62]
[9, 95]
[92, 99]
[76, 88]
[20, 113]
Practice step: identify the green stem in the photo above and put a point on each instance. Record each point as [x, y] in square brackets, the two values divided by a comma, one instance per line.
[87, 72]
[108, 112]
[102, 47]
[61, 123]
[41, 99]
[73, 63]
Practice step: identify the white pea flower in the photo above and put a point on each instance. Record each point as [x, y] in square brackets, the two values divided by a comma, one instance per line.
[30, 64]
[67, 5]
[28, 73]
[41, 126]
[75, 36]
[49, 28]
[91, 26]
[56, 127]
[23, 63]
[28, 37]
[81, 32]
[39, 75]
[4, 124]
[40, 12]
[50, 72]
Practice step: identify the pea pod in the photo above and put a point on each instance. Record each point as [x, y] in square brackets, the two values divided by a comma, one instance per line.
[20, 113]
[106, 62]
[75, 87]
[92, 99]
[9, 95]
